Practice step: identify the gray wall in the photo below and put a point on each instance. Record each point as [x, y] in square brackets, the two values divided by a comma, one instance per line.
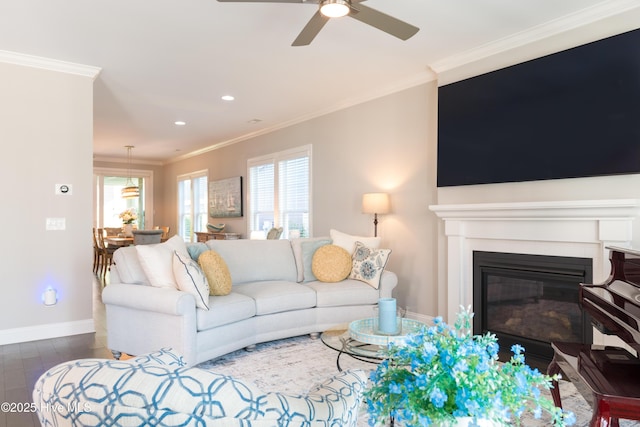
[46, 132]
[387, 144]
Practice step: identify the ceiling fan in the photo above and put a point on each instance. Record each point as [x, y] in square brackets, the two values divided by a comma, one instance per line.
[336, 8]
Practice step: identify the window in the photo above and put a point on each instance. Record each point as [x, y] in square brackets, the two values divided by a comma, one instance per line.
[192, 204]
[279, 191]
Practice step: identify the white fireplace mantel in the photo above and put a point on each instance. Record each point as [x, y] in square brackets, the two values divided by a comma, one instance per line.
[582, 228]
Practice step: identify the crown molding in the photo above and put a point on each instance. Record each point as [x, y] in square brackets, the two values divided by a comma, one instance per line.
[425, 76]
[569, 22]
[49, 64]
[122, 160]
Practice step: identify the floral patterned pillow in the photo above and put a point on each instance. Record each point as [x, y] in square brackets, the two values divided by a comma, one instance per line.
[368, 264]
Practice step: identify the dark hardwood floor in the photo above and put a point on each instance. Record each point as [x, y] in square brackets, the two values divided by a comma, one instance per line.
[23, 363]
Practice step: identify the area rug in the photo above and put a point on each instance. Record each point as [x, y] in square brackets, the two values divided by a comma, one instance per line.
[295, 365]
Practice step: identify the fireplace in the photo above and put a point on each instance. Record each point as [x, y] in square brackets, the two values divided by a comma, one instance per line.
[531, 300]
[575, 229]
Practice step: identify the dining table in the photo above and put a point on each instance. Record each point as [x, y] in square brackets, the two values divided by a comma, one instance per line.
[118, 241]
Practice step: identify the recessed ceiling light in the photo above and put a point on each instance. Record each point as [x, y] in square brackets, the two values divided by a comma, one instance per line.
[180, 123]
[254, 121]
[227, 98]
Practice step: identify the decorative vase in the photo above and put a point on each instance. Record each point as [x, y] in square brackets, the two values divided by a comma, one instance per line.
[127, 230]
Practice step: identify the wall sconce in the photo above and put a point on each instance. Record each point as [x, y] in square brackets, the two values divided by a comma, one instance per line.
[375, 203]
[50, 297]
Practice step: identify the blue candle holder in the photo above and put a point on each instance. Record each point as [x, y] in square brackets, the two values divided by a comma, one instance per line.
[387, 319]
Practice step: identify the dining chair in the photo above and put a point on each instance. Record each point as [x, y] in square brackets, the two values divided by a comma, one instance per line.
[97, 254]
[274, 233]
[147, 237]
[107, 253]
[113, 231]
[165, 231]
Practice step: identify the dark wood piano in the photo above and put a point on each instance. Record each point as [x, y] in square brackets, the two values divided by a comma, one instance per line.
[607, 377]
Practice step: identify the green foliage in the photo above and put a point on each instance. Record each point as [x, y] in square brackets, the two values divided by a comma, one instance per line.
[442, 373]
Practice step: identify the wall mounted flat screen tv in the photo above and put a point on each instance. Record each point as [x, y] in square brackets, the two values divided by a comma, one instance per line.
[575, 113]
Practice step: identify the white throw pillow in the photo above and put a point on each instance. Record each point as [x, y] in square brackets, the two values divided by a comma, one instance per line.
[129, 267]
[157, 261]
[191, 279]
[348, 242]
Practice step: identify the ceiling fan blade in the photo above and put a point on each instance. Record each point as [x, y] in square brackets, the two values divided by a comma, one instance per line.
[384, 22]
[311, 30]
[267, 1]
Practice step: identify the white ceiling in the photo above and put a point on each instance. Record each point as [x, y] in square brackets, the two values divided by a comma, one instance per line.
[168, 60]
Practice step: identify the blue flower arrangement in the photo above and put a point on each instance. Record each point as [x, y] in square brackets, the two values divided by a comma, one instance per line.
[444, 373]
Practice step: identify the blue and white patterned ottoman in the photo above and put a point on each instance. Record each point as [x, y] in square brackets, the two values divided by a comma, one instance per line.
[157, 389]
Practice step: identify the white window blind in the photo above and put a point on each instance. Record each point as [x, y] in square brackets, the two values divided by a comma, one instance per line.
[279, 192]
[192, 205]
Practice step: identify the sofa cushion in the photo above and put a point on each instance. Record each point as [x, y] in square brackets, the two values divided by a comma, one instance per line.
[308, 251]
[296, 246]
[224, 310]
[348, 241]
[216, 271]
[368, 264]
[255, 260]
[191, 279]
[157, 261]
[331, 263]
[128, 265]
[346, 292]
[277, 296]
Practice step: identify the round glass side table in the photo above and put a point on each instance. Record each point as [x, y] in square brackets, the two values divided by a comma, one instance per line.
[361, 341]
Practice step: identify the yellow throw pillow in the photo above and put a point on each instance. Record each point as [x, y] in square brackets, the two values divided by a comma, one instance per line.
[331, 263]
[216, 271]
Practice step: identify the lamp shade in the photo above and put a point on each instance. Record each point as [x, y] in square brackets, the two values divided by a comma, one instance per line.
[130, 192]
[375, 203]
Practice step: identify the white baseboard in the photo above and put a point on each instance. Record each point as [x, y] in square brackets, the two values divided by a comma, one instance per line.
[43, 332]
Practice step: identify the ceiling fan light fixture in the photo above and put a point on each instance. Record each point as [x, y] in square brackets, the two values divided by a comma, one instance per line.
[334, 8]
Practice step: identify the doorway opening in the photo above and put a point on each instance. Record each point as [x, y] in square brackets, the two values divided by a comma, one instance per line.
[109, 204]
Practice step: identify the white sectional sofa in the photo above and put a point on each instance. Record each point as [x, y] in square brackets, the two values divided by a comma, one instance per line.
[271, 298]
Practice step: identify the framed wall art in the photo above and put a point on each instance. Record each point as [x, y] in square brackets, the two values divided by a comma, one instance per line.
[225, 198]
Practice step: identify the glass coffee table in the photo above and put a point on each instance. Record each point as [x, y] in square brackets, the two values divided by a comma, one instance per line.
[360, 339]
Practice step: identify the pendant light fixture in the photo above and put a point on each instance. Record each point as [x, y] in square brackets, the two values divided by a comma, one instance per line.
[130, 191]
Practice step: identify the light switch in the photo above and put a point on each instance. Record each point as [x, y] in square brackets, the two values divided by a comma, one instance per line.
[56, 224]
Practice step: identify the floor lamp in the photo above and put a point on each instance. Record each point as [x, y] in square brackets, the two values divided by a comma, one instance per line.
[375, 203]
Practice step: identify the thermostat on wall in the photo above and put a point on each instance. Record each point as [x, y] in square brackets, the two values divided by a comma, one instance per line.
[63, 189]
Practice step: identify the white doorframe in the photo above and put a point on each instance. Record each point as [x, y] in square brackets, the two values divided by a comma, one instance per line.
[98, 199]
